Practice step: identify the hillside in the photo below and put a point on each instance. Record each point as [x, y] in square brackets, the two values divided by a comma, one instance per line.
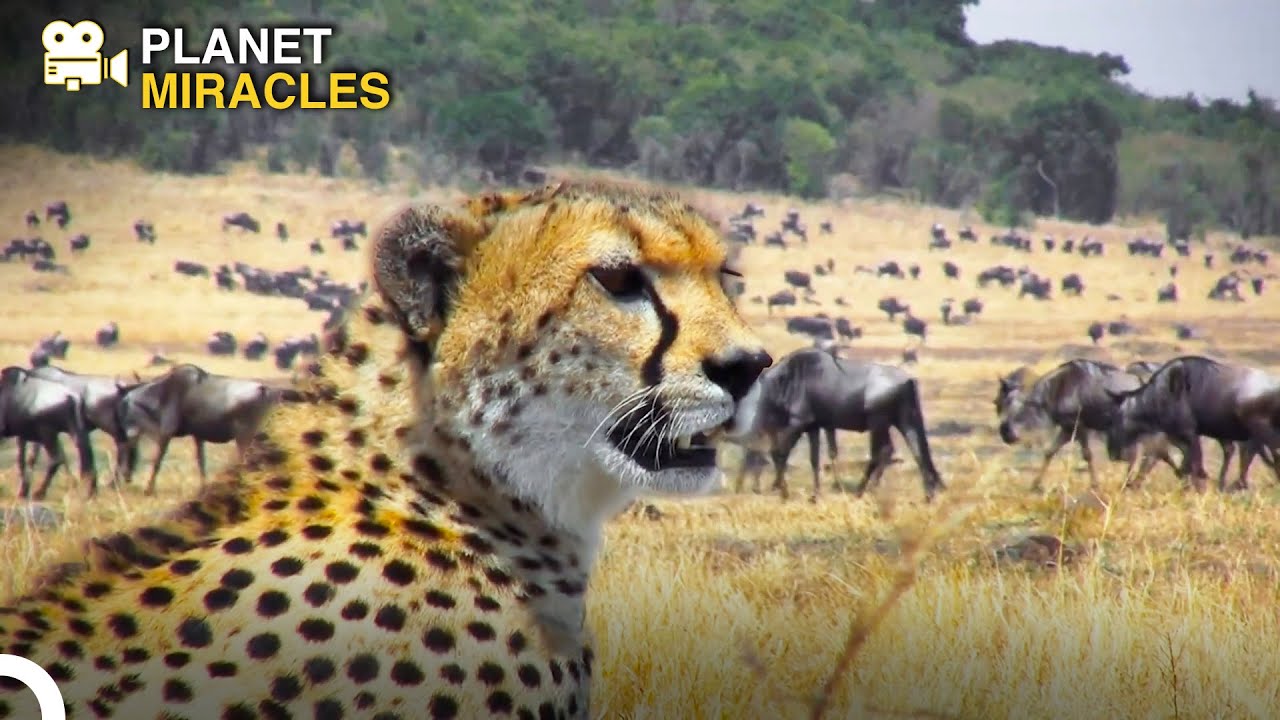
[818, 98]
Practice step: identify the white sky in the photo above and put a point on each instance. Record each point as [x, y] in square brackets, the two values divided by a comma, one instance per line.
[1213, 48]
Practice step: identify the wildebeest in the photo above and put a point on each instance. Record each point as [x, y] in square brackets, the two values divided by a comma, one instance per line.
[32, 219]
[890, 268]
[1227, 286]
[189, 401]
[79, 243]
[1167, 293]
[347, 228]
[256, 347]
[144, 231]
[221, 342]
[967, 234]
[1072, 399]
[191, 269]
[951, 270]
[812, 390]
[315, 247]
[891, 306]
[913, 325]
[1072, 284]
[1191, 396]
[1096, 331]
[282, 231]
[99, 397]
[242, 220]
[108, 335]
[59, 210]
[815, 327]
[37, 410]
[781, 298]
[798, 279]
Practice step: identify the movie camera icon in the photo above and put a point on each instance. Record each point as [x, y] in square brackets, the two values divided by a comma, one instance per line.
[72, 59]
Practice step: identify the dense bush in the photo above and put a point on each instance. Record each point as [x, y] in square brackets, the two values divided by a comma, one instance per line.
[752, 94]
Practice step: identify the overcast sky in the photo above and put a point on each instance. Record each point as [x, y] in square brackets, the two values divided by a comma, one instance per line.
[1213, 48]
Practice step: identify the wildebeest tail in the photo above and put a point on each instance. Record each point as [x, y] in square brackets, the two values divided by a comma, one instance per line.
[915, 420]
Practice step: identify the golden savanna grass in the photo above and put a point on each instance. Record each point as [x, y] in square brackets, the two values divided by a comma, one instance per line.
[739, 606]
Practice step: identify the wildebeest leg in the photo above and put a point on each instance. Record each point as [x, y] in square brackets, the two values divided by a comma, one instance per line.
[1086, 452]
[1247, 454]
[57, 458]
[814, 440]
[1145, 462]
[1061, 439]
[1228, 450]
[24, 471]
[831, 457]
[1195, 460]
[162, 446]
[200, 460]
[779, 450]
[88, 465]
[126, 460]
[881, 456]
[753, 461]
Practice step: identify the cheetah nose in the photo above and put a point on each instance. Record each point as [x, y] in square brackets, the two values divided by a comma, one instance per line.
[737, 371]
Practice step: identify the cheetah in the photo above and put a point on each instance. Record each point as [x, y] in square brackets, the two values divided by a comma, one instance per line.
[416, 539]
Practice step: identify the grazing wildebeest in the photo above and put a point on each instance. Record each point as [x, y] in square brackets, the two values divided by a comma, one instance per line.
[315, 247]
[1071, 398]
[33, 219]
[144, 231]
[1096, 331]
[967, 234]
[347, 228]
[282, 231]
[951, 270]
[814, 327]
[812, 390]
[846, 330]
[192, 269]
[108, 335]
[79, 243]
[913, 325]
[891, 306]
[972, 306]
[99, 397]
[256, 347]
[221, 342]
[189, 401]
[1227, 286]
[349, 244]
[890, 268]
[798, 279]
[1167, 293]
[242, 220]
[780, 299]
[59, 210]
[37, 410]
[1072, 284]
[1191, 396]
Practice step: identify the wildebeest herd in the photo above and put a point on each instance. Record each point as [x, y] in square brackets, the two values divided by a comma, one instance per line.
[1144, 411]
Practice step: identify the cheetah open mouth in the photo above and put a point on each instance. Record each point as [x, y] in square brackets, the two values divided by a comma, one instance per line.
[654, 450]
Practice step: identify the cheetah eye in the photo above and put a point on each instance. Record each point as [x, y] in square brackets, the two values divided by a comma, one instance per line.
[623, 282]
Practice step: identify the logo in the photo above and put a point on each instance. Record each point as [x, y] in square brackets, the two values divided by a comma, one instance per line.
[28, 673]
[71, 57]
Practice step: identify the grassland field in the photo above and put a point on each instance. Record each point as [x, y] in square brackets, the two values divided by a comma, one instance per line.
[739, 605]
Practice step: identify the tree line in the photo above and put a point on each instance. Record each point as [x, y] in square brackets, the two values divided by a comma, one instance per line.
[813, 97]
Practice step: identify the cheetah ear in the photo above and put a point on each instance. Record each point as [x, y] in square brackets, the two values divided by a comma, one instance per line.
[418, 256]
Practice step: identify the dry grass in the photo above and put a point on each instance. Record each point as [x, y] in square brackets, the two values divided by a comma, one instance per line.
[737, 605]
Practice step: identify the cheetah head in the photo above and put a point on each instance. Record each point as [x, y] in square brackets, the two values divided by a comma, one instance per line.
[578, 338]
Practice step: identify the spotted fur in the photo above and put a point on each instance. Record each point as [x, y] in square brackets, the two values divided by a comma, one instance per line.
[416, 541]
